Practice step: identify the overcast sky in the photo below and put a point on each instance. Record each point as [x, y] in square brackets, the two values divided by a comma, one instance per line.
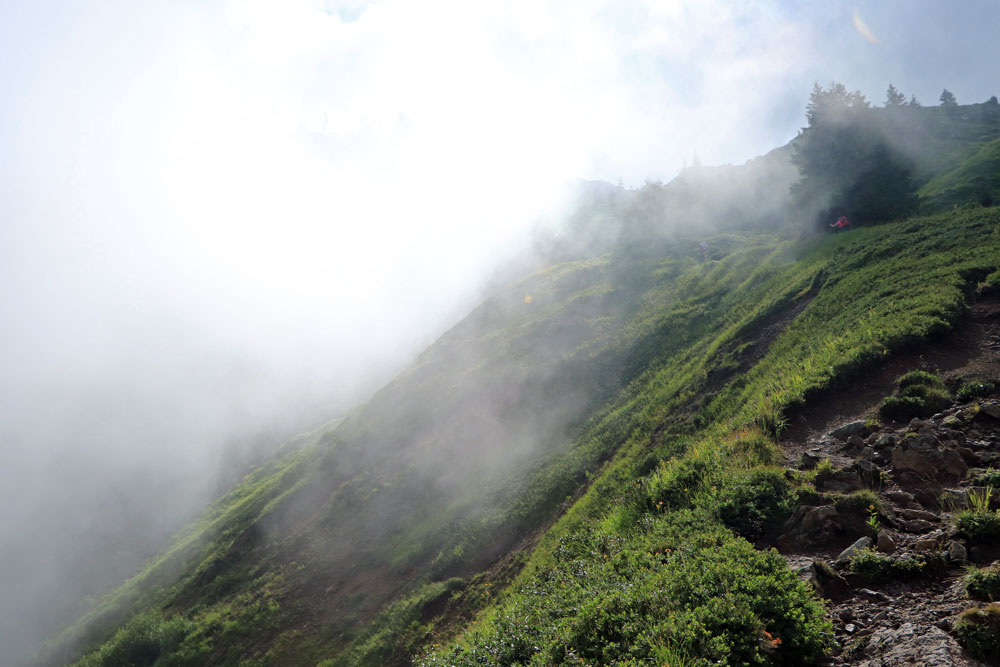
[215, 213]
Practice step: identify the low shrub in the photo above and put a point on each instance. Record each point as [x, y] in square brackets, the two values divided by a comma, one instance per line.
[978, 631]
[806, 495]
[921, 394]
[920, 378]
[674, 483]
[902, 408]
[934, 399]
[989, 477]
[874, 568]
[756, 502]
[141, 642]
[974, 390]
[698, 593]
[979, 526]
[983, 584]
[752, 447]
[859, 502]
[823, 472]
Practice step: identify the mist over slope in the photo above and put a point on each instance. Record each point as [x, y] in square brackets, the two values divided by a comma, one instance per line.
[352, 540]
[224, 223]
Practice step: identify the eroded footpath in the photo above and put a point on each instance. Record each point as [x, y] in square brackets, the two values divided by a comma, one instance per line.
[880, 537]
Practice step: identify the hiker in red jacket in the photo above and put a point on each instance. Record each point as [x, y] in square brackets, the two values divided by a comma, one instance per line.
[842, 225]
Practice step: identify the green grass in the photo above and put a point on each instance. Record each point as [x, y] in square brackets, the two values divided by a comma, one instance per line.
[616, 352]
[880, 290]
[977, 180]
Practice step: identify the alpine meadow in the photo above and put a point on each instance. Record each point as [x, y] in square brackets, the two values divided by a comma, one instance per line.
[745, 415]
[596, 465]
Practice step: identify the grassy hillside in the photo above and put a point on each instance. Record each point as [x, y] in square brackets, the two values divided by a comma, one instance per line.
[633, 399]
[976, 179]
[652, 564]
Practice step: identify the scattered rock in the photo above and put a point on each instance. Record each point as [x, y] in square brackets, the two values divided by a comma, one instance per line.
[849, 552]
[867, 471]
[816, 518]
[926, 544]
[810, 459]
[969, 456]
[854, 444]
[945, 624]
[886, 544]
[990, 410]
[856, 428]
[918, 526]
[805, 569]
[887, 441]
[843, 481]
[919, 514]
[876, 596]
[957, 498]
[957, 552]
[924, 455]
[915, 645]
[901, 497]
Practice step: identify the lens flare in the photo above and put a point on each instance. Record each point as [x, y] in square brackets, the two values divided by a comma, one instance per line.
[863, 29]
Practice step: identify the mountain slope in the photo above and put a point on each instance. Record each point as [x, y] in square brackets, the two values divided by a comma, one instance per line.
[651, 379]
[637, 532]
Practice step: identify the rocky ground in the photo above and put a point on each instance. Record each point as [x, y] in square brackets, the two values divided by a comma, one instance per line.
[913, 478]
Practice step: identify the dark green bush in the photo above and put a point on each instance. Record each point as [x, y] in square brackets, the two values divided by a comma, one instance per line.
[978, 631]
[701, 594]
[979, 526]
[991, 477]
[915, 378]
[756, 502]
[902, 408]
[806, 495]
[675, 482]
[934, 399]
[141, 642]
[983, 584]
[859, 502]
[921, 394]
[874, 568]
[972, 390]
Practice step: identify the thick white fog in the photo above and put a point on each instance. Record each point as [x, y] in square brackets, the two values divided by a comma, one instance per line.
[223, 222]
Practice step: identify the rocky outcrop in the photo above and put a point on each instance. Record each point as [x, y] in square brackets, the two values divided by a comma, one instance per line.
[855, 428]
[911, 644]
[924, 473]
[922, 453]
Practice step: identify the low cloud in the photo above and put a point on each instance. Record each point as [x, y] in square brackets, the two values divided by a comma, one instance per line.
[225, 222]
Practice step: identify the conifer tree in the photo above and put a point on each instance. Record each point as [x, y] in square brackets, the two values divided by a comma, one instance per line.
[847, 165]
[894, 98]
[948, 99]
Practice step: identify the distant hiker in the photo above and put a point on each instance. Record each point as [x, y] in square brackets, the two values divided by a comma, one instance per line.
[842, 225]
[704, 250]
